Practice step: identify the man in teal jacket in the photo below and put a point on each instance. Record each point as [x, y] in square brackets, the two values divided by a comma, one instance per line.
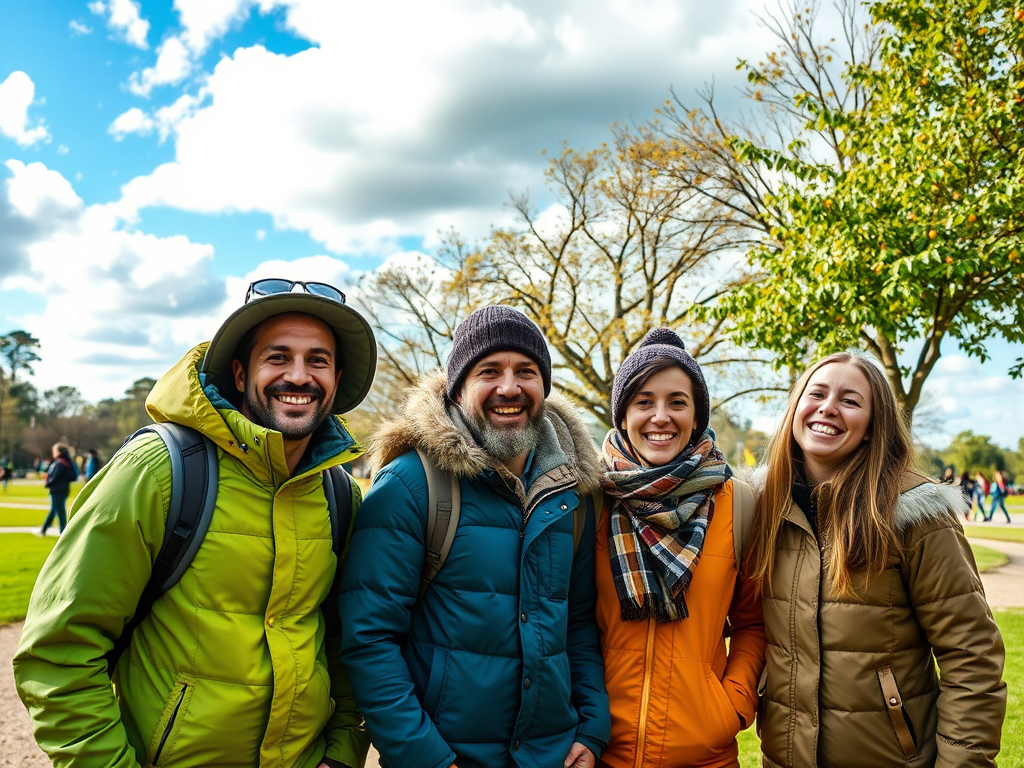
[235, 665]
[498, 663]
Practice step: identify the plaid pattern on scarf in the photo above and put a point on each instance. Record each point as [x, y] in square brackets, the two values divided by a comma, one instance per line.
[659, 518]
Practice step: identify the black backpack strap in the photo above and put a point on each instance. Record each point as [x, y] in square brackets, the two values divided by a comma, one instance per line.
[444, 505]
[338, 490]
[194, 479]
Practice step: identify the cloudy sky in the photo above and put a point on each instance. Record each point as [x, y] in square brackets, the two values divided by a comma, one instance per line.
[155, 157]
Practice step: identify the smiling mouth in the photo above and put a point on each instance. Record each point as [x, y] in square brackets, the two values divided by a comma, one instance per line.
[659, 437]
[824, 429]
[295, 399]
[507, 410]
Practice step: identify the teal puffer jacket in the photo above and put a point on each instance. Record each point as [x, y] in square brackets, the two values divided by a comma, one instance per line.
[499, 663]
[232, 667]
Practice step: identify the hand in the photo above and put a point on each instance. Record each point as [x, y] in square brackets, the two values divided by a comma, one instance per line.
[580, 757]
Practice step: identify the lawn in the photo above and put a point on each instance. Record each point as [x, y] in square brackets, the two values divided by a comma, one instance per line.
[22, 555]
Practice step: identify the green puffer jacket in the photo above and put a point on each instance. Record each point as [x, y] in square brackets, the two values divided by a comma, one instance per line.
[851, 682]
[235, 665]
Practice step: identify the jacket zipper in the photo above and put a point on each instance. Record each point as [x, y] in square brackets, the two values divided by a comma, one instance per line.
[645, 696]
[170, 724]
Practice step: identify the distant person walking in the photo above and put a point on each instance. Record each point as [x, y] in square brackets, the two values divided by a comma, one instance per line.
[998, 491]
[92, 464]
[949, 476]
[967, 488]
[5, 473]
[59, 476]
[980, 492]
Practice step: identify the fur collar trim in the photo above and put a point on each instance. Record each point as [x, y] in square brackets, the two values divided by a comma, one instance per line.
[425, 424]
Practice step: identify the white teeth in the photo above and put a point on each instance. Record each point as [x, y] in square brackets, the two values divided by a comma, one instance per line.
[293, 400]
[660, 436]
[824, 429]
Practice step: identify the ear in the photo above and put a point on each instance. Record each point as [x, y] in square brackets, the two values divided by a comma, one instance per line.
[239, 373]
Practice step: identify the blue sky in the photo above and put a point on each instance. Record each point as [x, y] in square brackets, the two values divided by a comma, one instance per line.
[157, 156]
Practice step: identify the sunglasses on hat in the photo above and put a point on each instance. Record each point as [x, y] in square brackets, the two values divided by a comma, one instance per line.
[272, 286]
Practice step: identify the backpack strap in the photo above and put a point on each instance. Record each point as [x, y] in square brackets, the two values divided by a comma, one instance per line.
[742, 518]
[338, 490]
[444, 501]
[194, 480]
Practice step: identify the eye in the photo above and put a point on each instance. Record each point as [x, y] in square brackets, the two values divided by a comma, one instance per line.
[680, 403]
[851, 401]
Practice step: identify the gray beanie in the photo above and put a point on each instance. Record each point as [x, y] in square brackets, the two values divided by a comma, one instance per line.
[661, 344]
[493, 329]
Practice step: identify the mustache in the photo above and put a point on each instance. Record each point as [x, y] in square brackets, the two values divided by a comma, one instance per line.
[313, 390]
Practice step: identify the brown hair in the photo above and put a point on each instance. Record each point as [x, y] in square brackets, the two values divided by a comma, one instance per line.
[856, 506]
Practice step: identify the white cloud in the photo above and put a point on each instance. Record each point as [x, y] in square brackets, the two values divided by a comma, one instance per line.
[173, 65]
[206, 20]
[123, 18]
[16, 95]
[133, 121]
[365, 138]
[79, 27]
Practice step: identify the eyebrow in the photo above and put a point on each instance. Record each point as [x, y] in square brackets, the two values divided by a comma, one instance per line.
[677, 393]
[286, 348]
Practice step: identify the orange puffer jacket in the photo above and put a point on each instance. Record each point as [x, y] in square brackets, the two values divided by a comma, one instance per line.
[678, 697]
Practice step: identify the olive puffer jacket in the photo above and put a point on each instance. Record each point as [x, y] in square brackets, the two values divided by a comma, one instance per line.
[852, 682]
[677, 697]
[498, 663]
[233, 666]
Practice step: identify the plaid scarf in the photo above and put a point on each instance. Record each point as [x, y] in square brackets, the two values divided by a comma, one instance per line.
[659, 518]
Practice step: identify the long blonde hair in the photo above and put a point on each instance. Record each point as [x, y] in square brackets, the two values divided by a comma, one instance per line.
[856, 506]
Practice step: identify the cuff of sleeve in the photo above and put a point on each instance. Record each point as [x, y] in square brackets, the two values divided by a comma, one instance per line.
[594, 745]
[744, 704]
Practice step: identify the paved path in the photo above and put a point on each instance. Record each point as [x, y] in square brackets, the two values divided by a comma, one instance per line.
[1004, 586]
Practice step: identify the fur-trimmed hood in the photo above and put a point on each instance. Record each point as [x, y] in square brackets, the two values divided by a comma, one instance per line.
[426, 424]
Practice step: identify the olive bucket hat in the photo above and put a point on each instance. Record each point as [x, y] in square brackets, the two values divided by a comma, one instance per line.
[357, 353]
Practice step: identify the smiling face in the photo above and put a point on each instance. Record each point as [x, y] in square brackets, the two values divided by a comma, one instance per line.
[502, 399]
[659, 420]
[291, 376]
[832, 418]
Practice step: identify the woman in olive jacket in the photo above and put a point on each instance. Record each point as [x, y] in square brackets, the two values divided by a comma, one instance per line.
[867, 581]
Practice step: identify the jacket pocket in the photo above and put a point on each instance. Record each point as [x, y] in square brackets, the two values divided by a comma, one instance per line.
[169, 725]
[727, 716]
[433, 697]
[901, 722]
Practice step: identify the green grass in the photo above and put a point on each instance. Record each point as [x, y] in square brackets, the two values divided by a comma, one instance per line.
[1011, 624]
[28, 492]
[987, 559]
[22, 555]
[994, 531]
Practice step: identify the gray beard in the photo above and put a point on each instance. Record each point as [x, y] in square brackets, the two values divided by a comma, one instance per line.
[504, 444]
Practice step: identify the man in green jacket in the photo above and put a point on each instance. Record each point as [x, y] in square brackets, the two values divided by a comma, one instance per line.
[235, 665]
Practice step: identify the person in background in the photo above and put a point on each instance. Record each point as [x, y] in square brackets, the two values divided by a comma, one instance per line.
[5, 473]
[92, 464]
[949, 476]
[59, 475]
[967, 489]
[882, 649]
[980, 493]
[999, 492]
[669, 589]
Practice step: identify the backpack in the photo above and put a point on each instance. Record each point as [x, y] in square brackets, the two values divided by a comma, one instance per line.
[444, 502]
[194, 484]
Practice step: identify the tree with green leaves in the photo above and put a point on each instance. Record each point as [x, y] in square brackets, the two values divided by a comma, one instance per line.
[892, 217]
[17, 353]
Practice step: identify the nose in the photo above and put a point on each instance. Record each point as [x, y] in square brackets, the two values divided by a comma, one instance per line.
[297, 372]
[828, 405]
[508, 386]
[660, 413]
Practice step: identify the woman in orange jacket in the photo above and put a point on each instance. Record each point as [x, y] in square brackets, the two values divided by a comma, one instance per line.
[669, 589]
